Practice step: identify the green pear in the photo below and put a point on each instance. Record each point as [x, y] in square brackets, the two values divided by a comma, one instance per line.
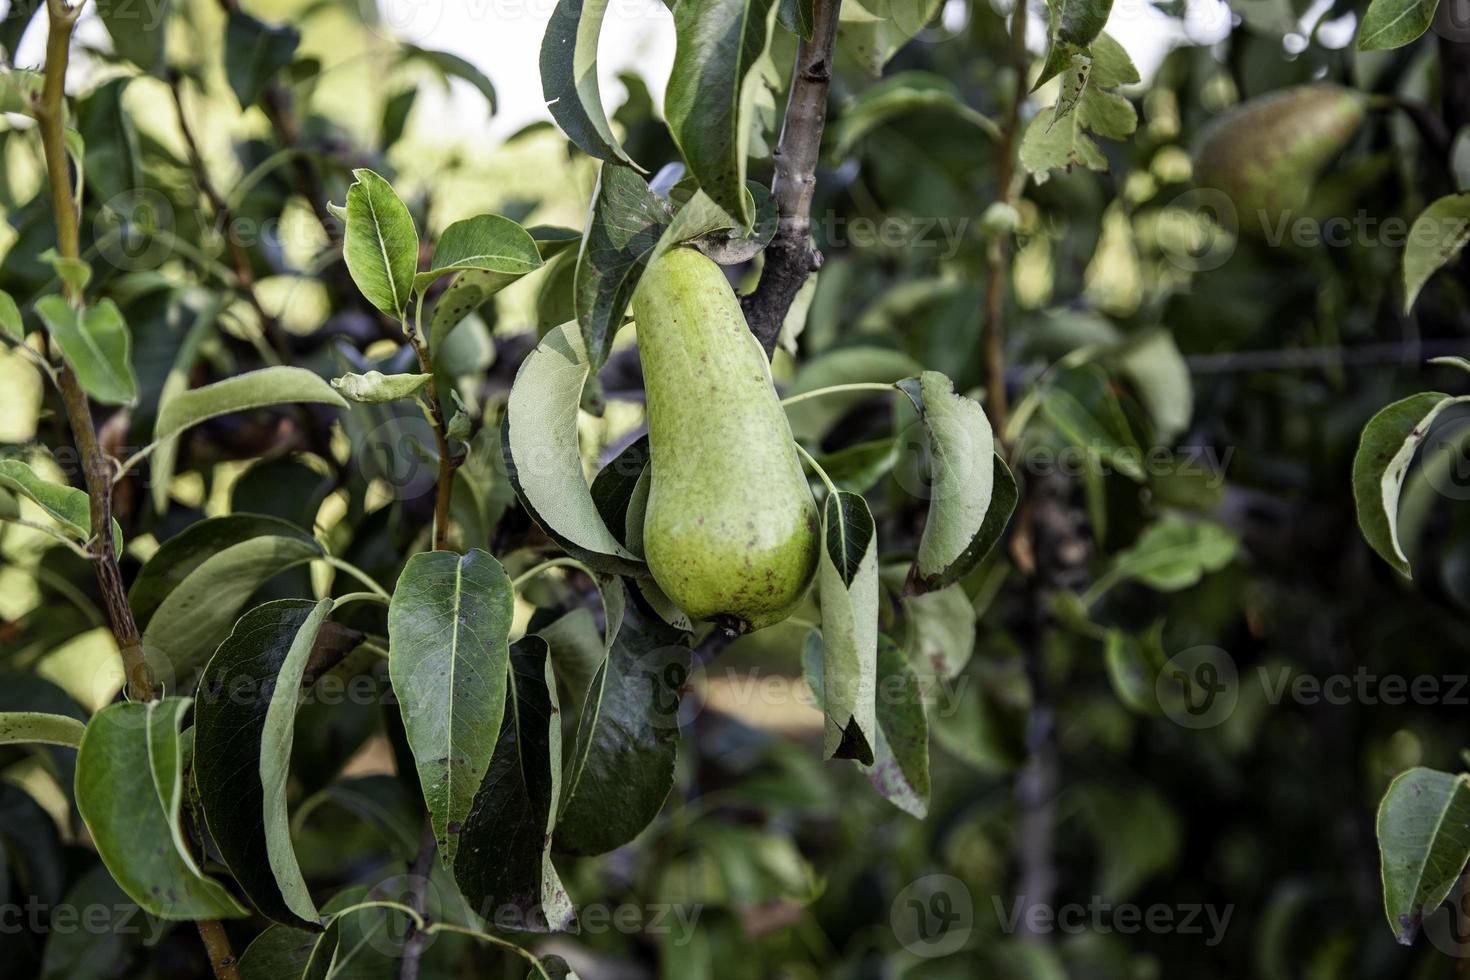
[731, 529]
[1266, 154]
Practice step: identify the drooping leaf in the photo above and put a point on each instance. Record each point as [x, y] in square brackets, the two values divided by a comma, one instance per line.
[900, 769]
[847, 581]
[244, 725]
[380, 244]
[255, 52]
[20, 727]
[622, 765]
[376, 388]
[1395, 23]
[1389, 442]
[712, 88]
[1424, 844]
[898, 97]
[129, 790]
[939, 634]
[569, 78]
[626, 223]
[503, 861]
[67, 506]
[96, 344]
[138, 30]
[1076, 24]
[1436, 239]
[276, 385]
[543, 459]
[190, 591]
[971, 492]
[449, 66]
[485, 243]
[1161, 376]
[448, 659]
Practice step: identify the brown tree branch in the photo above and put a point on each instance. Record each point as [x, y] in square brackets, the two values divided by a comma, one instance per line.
[791, 256]
[97, 466]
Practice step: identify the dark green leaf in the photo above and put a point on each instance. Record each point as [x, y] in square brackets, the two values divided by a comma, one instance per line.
[96, 344]
[448, 657]
[243, 730]
[503, 864]
[1424, 842]
[622, 766]
[255, 52]
[486, 243]
[138, 30]
[569, 78]
[720, 66]
[1395, 23]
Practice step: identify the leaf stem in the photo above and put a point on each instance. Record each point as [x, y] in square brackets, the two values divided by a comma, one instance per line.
[831, 487]
[351, 597]
[836, 390]
[51, 531]
[357, 573]
[546, 566]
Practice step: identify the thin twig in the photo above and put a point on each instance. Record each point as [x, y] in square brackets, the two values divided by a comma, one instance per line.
[418, 876]
[791, 256]
[999, 253]
[96, 464]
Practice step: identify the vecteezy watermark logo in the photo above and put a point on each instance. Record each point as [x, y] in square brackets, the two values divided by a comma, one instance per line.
[1446, 459]
[1198, 687]
[1101, 917]
[400, 453]
[659, 679]
[1199, 229]
[134, 230]
[1452, 20]
[933, 916]
[1448, 927]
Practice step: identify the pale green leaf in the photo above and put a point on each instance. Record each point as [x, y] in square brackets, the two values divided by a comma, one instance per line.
[847, 583]
[18, 727]
[380, 245]
[96, 343]
[376, 388]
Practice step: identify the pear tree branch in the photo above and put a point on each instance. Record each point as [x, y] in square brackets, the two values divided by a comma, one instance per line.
[791, 256]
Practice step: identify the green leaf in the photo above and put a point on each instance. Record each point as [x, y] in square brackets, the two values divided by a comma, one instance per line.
[255, 389]
[254, 53]
[872, 31]
[627, 222]
[75, 274]
[466, 294]
[858, 467]
[1438, 236]
[900, 769]
[1082, 405]
[96, 344]
[622, 766]
[10, 322]
[717, 75]
[502, 863]
[939, 634]
[380, 244]
[244, 724]
[1395, 23]
[1161, 377]
[486, 243]
[1171, 554]
[1133, 676]
[279, 951]
[190, 591]
[67, 506]
[19, 90]
[39, 727]
[798, 17]
[134, 819]
[138, 30]
[544, 461]
[1424, 844]
[1076, 24]
[1389, 442]
[110, 937]
[376, 388]
[847, 581]
[450, 66]
[569, 78]
[899, 97]
[965, 474]
[448, 626]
